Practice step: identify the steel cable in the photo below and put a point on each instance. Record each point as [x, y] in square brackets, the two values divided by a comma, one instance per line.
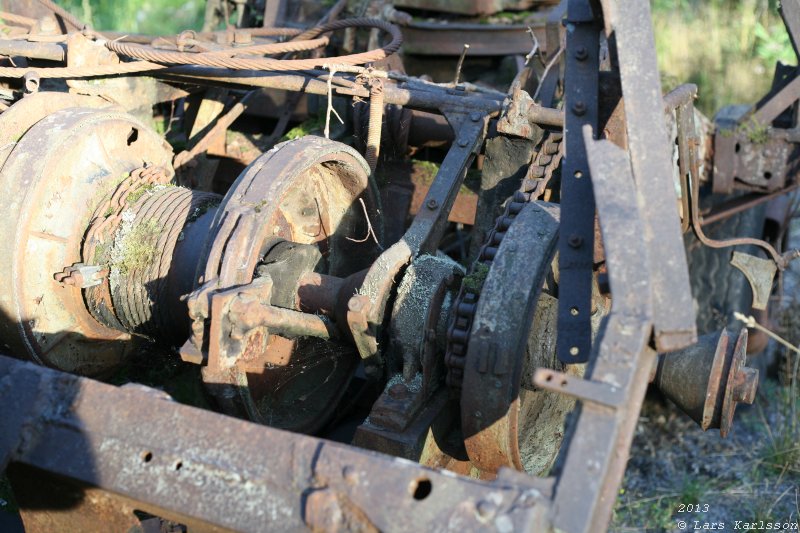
[155, 55]
[151, 58]
[216, 58]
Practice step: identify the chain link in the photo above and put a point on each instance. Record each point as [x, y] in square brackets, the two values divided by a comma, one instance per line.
[108, 214]
[540, 172]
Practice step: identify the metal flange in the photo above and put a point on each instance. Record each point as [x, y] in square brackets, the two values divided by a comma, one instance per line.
[57, 173]
[311, 191]
[500, 410]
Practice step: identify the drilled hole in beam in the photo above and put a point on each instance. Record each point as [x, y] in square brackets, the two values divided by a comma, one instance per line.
[421, 488]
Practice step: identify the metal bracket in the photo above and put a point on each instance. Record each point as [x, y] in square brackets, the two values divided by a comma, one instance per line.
[760, 273]
[651, 163]
[576, 240]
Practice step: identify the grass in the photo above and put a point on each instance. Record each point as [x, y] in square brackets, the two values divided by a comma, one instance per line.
[660, 511]
[155, 17]
[727, 47]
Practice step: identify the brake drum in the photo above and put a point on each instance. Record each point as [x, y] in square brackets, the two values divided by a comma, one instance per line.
[308, 194]
[61, 169]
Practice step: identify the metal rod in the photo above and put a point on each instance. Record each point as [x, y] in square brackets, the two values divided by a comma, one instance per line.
[547, 116]
[679, 96]
[48, 51]
[743, 203]
[250, 315]
[460, 64]
[434, 99]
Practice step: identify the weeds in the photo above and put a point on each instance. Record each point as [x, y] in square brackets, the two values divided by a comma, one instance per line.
[153, 17]
[728, 48]
[755, 132]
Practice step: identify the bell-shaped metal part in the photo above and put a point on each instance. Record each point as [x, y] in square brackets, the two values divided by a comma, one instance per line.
[708, 379]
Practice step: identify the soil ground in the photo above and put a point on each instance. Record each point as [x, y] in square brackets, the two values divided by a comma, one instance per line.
[682, 479]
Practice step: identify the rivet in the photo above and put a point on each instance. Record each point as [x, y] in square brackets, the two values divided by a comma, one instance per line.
[579, 108]
[575, 241]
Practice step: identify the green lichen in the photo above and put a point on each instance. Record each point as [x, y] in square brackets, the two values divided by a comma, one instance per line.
[139, 248]
[474, 281]
[138, 193]
[102, 254]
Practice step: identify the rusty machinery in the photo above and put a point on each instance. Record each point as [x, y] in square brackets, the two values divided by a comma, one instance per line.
[312, 307]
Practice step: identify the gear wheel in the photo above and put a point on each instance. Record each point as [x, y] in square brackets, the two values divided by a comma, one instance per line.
[547, 160]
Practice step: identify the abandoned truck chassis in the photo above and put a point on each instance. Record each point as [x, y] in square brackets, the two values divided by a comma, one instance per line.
[104, 452]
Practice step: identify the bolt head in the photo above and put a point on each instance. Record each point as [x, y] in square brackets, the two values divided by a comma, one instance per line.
[475, 116]
[350, 475]
[581, 53]
[575, 241]
[432, 204]
[579, 108]
[462, 143]
[354, 304]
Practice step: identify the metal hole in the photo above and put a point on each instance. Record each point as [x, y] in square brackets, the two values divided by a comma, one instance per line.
[421, 488]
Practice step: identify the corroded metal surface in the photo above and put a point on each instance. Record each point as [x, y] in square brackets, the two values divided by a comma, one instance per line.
[208, 470]
[708, 379]
[309, 191]
[71, 158]
[303, 316]
[490, 398]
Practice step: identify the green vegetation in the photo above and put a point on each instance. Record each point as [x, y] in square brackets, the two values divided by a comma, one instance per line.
[139, 247]
[780, 454]
[652, 514]
[727, 47]
[155, 17]
[474, 281]
[313, 125]
[756, 132]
